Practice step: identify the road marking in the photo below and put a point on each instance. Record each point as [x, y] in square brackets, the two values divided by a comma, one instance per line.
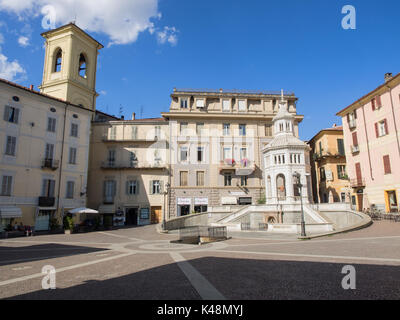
[123, 237]
[310, 255]
[203, 287]
[81, 265]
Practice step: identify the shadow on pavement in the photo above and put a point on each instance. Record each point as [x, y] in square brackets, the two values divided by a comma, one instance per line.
[239, 279]
[12, 255]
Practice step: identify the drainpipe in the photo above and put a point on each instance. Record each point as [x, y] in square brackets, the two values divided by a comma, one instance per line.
[61, 163]
[394, 119]
[366, 135]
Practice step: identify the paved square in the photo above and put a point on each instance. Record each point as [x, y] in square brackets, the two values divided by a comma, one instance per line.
[139, 263]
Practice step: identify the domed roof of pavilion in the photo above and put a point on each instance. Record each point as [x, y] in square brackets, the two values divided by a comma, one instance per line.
[285, 140]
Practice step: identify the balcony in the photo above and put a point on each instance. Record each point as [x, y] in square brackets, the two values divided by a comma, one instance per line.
[355, 149]
[323, 155]
[357, 183]
[243, 168]
[50, 164]
[47, 202]
[126, 165]
[352, 124]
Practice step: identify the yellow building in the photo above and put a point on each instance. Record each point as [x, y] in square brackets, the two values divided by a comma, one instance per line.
[129, 171]
[329, 177]
[45, 135]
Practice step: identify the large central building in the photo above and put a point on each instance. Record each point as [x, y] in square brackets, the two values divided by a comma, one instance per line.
[216, 141]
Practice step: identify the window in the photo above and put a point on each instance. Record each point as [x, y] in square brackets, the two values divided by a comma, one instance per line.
[244, 181]
[386, 164]
[320, 148]
[184, 154]
[184, 126]
[11, 145]
[199, 128]
[243, 156]
[48, 188]
[6, 184]
[109, 191]
[242, 129]
[49, 152]
[157, 132]
[200, 179]
[341, 171]
[51, 124]
[322, 174]
[355, 139]
[155, 187]
[340, 145]
[200, 154]
[82, 66]
[242, 105]
[226, 105]
[227, 153]
[268, 130]
[184, 103]
[11, 114]
[113, 133]
[226, 129]
[74, 130]
[70, 189]
[132, 159]
[111, 157]
[183, 178]
[381, 128]
[132, 187]
[200, 103]
[228, 180]
[58, 61]
[376, 103]
[72, 155]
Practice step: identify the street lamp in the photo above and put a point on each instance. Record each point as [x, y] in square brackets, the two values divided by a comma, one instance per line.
[297, 177]
[167, 186]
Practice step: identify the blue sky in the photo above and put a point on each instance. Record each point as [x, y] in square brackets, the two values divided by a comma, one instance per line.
[297, 45]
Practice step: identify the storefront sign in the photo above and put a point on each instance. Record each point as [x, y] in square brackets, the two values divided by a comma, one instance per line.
[201, 201]
[228, 200]
[184, 201]
[238, 193]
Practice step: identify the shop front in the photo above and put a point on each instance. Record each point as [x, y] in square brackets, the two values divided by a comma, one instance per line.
[200, 205]
[7, 216]
[43, 217]
[184, 206]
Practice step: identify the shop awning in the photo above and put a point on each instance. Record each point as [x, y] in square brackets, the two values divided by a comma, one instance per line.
[107, 209]
[10, 212]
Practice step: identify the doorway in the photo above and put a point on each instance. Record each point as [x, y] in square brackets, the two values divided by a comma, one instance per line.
[184, 210]
[156, 215]
[132, 216]
[360, 198]
[391, 201]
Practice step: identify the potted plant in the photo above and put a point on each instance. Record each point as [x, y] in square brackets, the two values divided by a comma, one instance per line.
[68, 225]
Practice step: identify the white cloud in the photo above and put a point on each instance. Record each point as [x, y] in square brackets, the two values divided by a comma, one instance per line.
[168, 34]
[10, 70]
[121, 20]
[23, 41]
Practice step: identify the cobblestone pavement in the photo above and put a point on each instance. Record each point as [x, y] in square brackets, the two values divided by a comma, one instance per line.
[139, 263]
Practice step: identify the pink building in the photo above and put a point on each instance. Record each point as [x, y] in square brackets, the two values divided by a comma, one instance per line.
[372, 144]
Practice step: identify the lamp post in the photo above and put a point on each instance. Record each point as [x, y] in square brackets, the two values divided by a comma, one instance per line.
[297, 176]
[167, 186]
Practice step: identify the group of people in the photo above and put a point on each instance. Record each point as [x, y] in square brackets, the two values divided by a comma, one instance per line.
[20, 227]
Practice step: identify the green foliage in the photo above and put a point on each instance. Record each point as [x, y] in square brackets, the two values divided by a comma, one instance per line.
[262, 200]
[68, 223]
[54, 225]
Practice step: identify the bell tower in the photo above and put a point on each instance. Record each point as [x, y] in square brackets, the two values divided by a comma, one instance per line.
[70, 66]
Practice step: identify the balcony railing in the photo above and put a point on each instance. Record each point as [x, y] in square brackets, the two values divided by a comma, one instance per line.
[357, 183]
[132, 165]
[50, 164]
[109, 138]
[47, 202]
[242, 168]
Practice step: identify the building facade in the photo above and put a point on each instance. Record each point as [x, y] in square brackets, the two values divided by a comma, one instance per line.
[328, 166]
[45, 136]
[372, 144]
[216, 138]
[129, 171]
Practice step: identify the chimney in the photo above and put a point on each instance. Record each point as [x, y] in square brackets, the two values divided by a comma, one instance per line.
[334, 125]
[122, 117]
[31, 87]
[133, 116]
[388, 76]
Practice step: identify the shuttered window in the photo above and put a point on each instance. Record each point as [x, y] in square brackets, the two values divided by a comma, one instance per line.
[74, 130]
[200, 178]
[51, 124]
[355, 139]
[6, 184]
[11, 114]
[183, 178]
[11, 145]
[72, 155]
[70, 189]
[132, 187]
[386, 164]
[340, 147]
[48, 188]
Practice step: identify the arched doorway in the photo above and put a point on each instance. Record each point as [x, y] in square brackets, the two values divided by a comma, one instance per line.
[281, 187]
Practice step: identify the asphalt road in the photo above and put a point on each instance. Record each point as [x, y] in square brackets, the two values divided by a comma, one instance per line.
[139, 263]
